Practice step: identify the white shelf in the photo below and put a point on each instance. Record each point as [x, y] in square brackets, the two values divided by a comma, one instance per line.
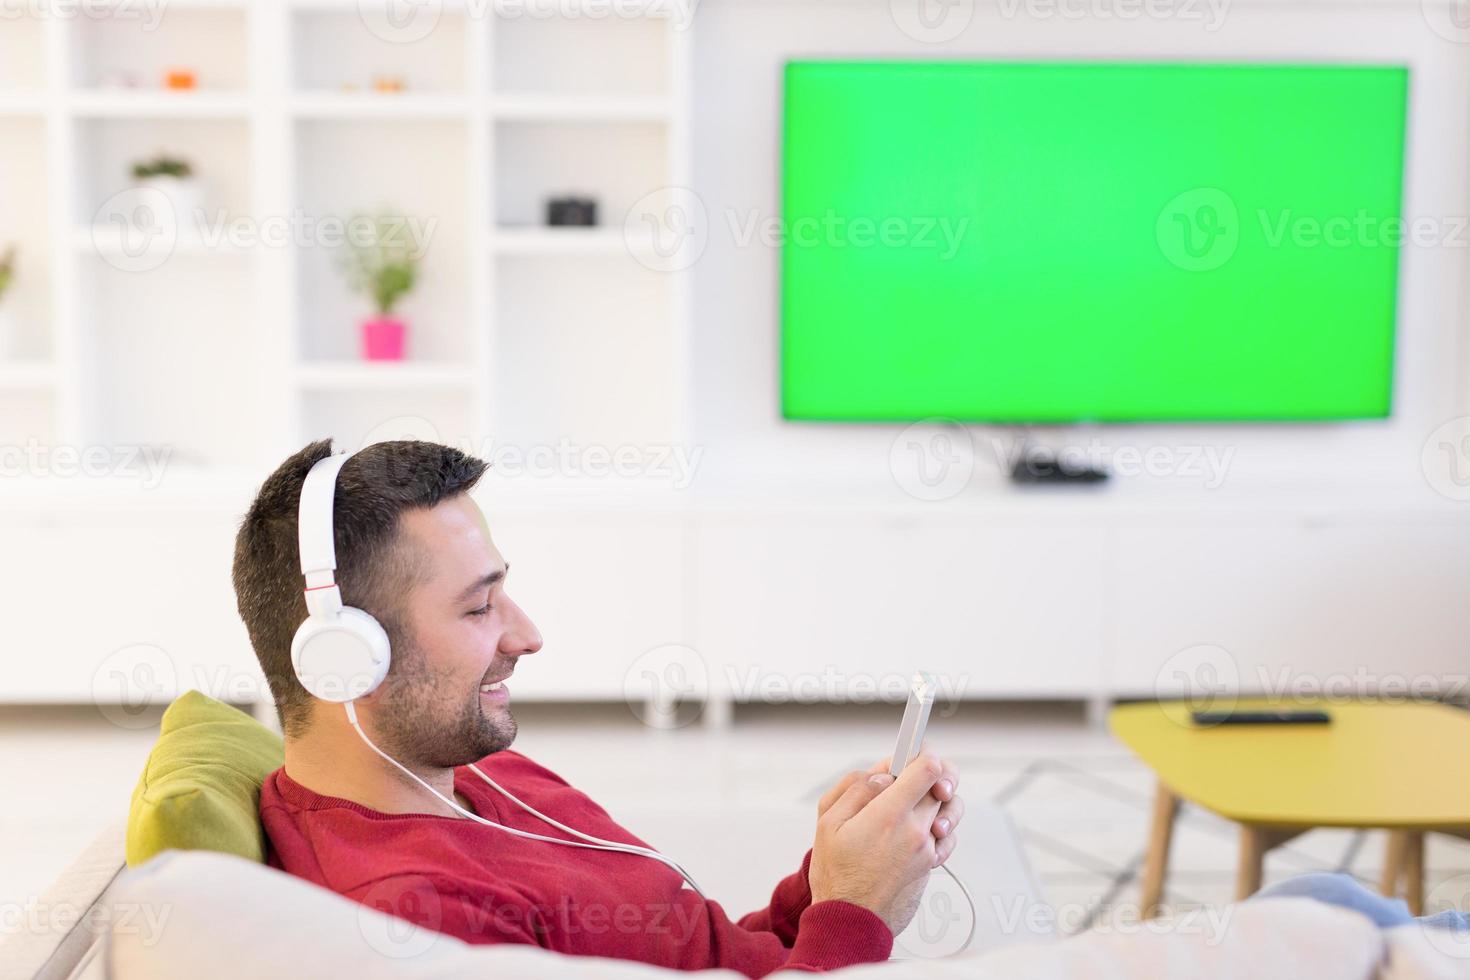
[107, 241]
[369, 375]
[597, 240]
[26, 375]
[581, 108]
[22, 104]
[158, 104]
[594, 11]
[378, 105]
[287, 149]
[609, 240]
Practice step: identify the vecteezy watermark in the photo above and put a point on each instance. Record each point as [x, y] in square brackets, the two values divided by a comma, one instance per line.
[941, 234]
[411, 910]
[1199, 229]
[34, 458]
[1360, 683]
[679, 13]
[933, 459]
[1450, 19]
[1205, 464]
[1362, 229]
[1449, 896]
[661, 680]
[1445, 459]
[136, 230]
[131, 684]
[36, 917]
[1208, 13]
[932, 21]
[674, 465]
[400, 917]
[834, 685]
[940, 923]
[1206, 676]
[139, 228]
[668, 229]
[411, 21]
[400, 21]
[298, 229]
[669, 463]
[1020, 915]
[148, 13]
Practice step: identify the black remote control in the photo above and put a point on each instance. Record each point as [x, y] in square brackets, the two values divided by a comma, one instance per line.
[1300, 717]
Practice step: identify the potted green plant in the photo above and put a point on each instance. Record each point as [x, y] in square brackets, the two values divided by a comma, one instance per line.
[382, 265]
[173, 177]
[7, 322]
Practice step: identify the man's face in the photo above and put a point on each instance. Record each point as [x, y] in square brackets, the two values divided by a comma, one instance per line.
[460, 632]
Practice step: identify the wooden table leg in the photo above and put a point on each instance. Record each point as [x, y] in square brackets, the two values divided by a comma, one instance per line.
[1393, 862]
[1253, 846]
[1414, 872]
[1255, 842]
[1156, 862]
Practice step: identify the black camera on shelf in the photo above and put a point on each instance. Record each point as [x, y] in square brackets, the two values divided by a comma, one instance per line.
[573, 211]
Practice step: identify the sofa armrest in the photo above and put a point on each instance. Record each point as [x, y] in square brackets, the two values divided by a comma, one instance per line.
[60, 937]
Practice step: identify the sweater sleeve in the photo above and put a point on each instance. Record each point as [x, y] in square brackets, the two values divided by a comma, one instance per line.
[829, 935]
[791, 897]
[825, 936]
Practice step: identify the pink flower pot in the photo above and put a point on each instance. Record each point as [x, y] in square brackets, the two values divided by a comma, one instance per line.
[382, 338]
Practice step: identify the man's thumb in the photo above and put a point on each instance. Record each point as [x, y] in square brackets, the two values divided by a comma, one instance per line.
[857, 796]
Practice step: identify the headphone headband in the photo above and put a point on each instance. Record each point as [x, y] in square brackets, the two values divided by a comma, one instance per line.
[314, 533]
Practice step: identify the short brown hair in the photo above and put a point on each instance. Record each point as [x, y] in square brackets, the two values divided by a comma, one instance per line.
[374, 487]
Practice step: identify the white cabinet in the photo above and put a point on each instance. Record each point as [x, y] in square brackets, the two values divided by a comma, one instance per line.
[116, 608]
[789, 607]
[1361, 604]
[784, 604]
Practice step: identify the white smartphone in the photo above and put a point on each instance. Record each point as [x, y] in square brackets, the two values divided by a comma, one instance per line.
[915, 720]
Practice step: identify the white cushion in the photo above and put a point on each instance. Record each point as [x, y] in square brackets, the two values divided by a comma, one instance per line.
[203, 914]
[1419, 953]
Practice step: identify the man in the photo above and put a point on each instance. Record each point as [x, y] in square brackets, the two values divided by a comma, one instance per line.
[414, 551]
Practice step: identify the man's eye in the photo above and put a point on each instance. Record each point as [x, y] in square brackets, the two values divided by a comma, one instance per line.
[482, 611]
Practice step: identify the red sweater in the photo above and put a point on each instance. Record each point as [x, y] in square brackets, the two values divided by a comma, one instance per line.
[483, 885]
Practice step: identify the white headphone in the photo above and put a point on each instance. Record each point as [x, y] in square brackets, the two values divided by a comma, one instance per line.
[340, 653]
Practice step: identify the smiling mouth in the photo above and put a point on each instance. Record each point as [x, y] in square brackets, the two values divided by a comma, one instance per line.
[487, 688]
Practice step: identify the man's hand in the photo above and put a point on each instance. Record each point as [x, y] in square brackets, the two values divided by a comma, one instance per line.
[878, 838]
[945, 790]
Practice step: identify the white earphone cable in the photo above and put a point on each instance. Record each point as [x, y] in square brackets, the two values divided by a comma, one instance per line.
[632, 848]
[588, 841]
[974, 917]
[601, 846]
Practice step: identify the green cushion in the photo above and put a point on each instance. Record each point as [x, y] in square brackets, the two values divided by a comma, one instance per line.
[201, 787]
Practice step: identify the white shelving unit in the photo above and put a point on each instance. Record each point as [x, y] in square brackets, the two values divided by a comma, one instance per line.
[234, 340]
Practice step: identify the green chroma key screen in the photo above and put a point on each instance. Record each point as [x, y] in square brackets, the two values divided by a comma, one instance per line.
[1069, 241]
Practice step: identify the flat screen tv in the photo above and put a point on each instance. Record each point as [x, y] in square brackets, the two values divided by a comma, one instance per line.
[1074, 241]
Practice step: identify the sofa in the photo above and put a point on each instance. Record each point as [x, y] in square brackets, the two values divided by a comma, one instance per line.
[180, 889]
[188, 914]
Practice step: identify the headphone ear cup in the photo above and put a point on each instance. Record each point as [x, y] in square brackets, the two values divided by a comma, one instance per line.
[342, 657]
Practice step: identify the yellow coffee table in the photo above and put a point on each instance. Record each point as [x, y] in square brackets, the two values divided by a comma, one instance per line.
[1377, 765]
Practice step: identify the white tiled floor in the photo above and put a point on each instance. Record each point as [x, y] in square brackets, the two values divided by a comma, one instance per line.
[1079, 799]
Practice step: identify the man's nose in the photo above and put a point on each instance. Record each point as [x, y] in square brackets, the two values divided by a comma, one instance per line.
[522, 638]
